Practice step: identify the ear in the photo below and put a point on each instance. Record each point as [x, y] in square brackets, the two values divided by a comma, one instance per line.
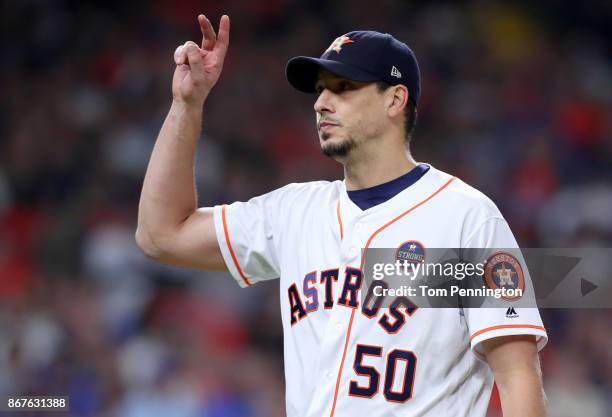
[397, 100]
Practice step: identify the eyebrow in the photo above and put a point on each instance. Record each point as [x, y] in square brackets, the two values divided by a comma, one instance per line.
[354, 84]
[335, 78]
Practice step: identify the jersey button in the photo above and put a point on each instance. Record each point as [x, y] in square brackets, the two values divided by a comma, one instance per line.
[338, 326]
[330, 375]
[358, 226]
[353, 250]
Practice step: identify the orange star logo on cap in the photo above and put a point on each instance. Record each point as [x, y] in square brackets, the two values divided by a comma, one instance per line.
[338, 42]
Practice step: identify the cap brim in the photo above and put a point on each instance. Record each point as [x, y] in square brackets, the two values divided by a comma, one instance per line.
[303, 71]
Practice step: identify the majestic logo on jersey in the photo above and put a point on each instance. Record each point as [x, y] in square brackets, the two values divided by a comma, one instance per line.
[511, 313]
[336, 45]
[503, 270]
[412, 252]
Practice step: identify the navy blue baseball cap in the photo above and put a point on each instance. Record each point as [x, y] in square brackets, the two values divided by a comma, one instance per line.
[362, 55]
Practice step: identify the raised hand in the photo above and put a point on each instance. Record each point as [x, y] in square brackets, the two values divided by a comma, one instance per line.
[198, 67]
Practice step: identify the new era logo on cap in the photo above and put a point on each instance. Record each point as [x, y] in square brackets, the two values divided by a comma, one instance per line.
[362, 55]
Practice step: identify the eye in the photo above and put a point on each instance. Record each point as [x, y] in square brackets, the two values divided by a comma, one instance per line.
[345, 85]
[318, 89]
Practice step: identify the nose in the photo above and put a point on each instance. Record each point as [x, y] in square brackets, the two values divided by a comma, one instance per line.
[324, 102]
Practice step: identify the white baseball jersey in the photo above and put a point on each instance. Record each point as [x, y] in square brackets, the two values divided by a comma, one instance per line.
[346, 359]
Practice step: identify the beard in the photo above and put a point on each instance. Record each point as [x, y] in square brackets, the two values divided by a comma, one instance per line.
[338, 150]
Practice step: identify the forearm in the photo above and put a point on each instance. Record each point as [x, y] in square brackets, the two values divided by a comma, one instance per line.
[521, 393]
[515, 364]
[169, 195]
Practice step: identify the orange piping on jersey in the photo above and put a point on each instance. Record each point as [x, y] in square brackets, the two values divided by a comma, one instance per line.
[229, 245]
[380, 229]
[507, 326]
[339, 219]
[346, 342]
[403, 214]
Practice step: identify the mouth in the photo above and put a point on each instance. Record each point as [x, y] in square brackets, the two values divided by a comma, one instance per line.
[324, 126]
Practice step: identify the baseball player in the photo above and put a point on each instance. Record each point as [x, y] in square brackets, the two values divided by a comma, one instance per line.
[344, 357]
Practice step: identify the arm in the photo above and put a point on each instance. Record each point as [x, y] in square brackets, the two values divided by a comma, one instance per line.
[170, 227]
[516, 368]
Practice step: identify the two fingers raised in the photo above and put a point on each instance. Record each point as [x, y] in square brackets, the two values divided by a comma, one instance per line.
[210, 40]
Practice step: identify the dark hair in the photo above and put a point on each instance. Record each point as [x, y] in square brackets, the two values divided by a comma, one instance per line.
[410, 113]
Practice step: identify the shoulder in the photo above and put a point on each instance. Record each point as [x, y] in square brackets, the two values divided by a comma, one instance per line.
[310, 186]
[308, 189]
[464, 198]
[303, 194]
[479, 221]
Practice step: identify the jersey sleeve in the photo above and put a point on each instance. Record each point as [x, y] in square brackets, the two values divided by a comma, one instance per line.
[248, 236]
[502, 317]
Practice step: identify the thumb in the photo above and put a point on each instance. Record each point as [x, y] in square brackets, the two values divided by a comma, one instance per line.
[179, 56]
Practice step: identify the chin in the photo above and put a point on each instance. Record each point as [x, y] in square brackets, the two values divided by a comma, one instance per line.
[328, 138]
[338, 148]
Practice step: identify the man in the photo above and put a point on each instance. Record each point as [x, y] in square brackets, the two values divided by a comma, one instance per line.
[343, 357]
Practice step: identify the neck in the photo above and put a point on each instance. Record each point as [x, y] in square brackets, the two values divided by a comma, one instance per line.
[373, 167]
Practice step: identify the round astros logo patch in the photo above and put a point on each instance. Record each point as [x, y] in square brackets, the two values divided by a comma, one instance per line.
[504, 271]
[411, 251]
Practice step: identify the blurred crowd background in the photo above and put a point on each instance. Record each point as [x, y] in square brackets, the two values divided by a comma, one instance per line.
[516, 100]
